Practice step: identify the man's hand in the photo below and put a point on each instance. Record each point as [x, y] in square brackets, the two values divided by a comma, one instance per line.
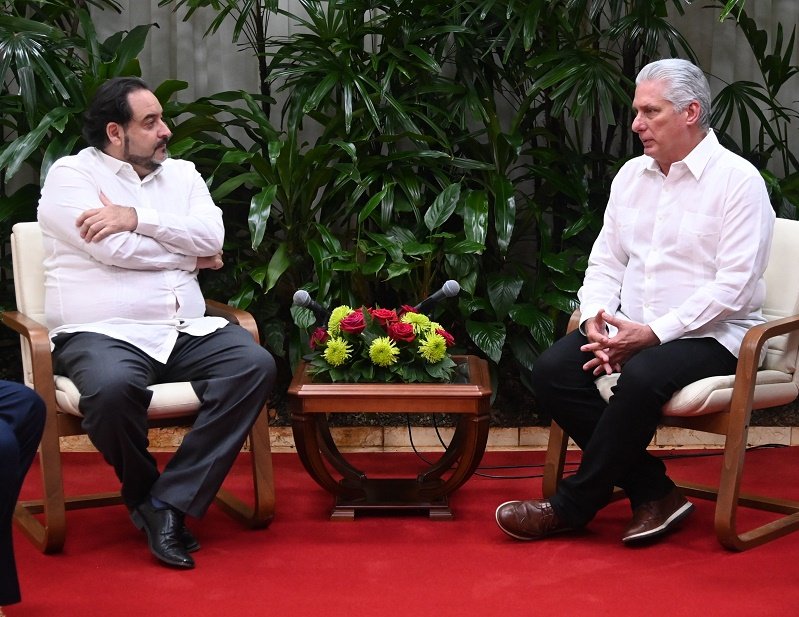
[214, 262]
[99, 223]
[610, 353]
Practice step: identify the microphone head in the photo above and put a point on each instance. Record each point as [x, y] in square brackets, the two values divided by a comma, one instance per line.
[302, 298]
[451, 288]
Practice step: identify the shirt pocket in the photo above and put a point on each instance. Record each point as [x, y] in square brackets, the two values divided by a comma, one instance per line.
[698, 237]
[624, 227]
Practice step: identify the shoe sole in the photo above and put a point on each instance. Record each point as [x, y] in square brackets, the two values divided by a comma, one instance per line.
[675, 518]
[522, 538]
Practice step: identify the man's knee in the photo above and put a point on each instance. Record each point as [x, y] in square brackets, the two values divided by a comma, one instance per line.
[555, 363]
[264, 364]
[116, 399]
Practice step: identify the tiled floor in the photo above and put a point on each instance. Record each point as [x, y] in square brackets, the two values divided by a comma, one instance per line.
[426, 438]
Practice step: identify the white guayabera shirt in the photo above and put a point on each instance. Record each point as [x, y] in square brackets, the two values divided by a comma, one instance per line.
[684, 253]
[141, 286]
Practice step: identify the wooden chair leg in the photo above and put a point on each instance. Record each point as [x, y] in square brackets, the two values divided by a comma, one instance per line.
[48, 536]
[260, 513]
[729, 498]
[555, 459]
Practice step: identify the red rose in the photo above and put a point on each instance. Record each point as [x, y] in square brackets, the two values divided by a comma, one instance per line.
[406, 308]
[401, 331]
[319, 337]
[447, 336]
[353, 323]
[383, 316]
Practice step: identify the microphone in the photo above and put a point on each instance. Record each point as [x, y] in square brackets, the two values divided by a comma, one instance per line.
[448, 290]
[302, 298]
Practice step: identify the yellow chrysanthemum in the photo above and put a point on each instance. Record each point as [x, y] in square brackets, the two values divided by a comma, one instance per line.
[336, 315]
[433, 348]
[420, 323]
[383, 351]
[337, 351]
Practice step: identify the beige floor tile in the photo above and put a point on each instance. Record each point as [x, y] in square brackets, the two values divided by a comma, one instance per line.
[671, 437]
[423, 437]
[763, 435]
[534, 437]
[503, 438]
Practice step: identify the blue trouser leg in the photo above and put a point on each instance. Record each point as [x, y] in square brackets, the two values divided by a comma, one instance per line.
[22, 415]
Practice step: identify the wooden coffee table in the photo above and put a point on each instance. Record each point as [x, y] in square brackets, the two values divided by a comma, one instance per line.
[429, 491]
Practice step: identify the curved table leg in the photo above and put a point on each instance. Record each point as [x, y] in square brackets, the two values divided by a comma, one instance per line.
[333, 455]
[428, 491]
[450, 456]
[470, 452]
[306, 431]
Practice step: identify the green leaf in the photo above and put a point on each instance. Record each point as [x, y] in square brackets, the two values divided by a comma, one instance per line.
[502, 292]
[260, 208]
[278, 264]
[475, 216]
[443, 207]
[15, 153]
[504, 212]
[488, 336]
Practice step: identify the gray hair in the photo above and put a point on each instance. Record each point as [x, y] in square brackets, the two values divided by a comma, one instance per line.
[685, 82]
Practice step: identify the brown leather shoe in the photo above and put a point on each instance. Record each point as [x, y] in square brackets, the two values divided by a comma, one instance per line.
[529, 520]
[655, 518]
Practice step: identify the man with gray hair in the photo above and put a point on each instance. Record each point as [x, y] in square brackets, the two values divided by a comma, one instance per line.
[674, 281]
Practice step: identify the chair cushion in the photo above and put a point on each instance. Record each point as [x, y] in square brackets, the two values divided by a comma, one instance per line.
[713, 394]
[170, 400]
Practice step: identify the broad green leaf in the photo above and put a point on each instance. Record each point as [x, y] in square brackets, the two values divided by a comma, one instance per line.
[278, 264]
[489, 337]
[260, 208]
[502, 292]
[443, 207]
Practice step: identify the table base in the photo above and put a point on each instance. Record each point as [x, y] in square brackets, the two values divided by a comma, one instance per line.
[391, 494]
[312, 403]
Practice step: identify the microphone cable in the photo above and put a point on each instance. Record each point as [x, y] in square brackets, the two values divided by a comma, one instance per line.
[569, 466]
[477, 471]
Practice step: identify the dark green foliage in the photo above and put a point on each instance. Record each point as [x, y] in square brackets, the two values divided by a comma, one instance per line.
[415, 141]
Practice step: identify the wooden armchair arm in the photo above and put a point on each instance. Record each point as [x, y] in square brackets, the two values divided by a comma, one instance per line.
[234, 315]
[749, 360]
[38, 341]
[574, 321]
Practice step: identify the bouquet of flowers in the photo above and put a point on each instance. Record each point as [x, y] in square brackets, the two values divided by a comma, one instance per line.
[380, 345]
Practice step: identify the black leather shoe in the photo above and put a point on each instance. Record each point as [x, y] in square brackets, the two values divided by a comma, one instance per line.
[163, 528]
[187, 539]
[533, 519]
[655, 518]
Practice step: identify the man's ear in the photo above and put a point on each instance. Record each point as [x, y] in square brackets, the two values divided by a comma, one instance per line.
[693, 110]
[113, 131]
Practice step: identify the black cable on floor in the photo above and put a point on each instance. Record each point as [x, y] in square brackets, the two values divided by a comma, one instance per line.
[567, 464]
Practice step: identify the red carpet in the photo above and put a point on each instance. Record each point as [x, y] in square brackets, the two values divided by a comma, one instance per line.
[408, 565]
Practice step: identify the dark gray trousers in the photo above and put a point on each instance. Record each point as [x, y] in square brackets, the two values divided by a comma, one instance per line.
[232, 377]
[22, 415]
[614, 436]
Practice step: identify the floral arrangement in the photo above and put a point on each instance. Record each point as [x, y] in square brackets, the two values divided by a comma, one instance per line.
[380, 345]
